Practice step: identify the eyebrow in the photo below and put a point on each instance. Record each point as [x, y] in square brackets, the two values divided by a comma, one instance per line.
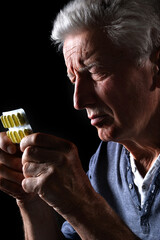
[89, 66]
[85, 68]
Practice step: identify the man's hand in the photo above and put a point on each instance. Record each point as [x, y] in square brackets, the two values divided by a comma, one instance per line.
[52, 169]
[38, 218]
[52, 174]
[11, 175]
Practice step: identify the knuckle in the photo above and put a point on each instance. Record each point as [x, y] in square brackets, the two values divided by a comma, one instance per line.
[72, 153]
[26, 155]
[69, 147]
[25, 185]
[36, 138]
[45, 181]
[25, 167]
[29, 150]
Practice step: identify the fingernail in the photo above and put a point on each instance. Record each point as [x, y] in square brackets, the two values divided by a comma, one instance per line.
[11, 149]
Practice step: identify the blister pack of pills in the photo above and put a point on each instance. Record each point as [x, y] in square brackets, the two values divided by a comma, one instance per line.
[17, 123]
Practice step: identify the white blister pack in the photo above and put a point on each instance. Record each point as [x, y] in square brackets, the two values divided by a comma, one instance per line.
[17, 123]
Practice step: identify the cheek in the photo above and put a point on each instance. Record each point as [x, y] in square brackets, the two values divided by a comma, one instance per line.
[121, 98]
[110, 95]
[105, 90]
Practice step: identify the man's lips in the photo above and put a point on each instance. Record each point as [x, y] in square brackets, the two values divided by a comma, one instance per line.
[99, 120]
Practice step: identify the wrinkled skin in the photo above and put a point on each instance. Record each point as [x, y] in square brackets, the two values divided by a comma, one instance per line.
[11, 175]
[120, 98]
[52, 169]
[48, 166]
[105, 80]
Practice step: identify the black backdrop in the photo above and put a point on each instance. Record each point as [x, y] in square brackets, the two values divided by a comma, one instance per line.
[33, 76]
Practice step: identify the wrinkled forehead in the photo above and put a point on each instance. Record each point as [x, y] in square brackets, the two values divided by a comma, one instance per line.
[80, 46]
[88, 45]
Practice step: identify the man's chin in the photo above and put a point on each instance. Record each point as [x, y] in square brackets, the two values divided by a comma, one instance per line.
[104, 134]
[108, 133]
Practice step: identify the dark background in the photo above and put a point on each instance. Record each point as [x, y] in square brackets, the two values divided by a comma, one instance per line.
[33, 76]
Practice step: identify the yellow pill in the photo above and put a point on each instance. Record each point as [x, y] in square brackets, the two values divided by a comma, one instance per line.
[11, 136]
[21, 134]
[15, 120]
[10, 121]
[6, 121]
[16, 136]
[21, 119]
[8, 134]
[3, 122]
[27, 132]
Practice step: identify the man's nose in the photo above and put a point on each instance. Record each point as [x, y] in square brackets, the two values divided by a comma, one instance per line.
[84, 94]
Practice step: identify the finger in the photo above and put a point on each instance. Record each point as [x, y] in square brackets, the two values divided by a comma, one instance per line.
[46, 141]
[31, 169]
[10, 175]
[6, 144]
[41, 155]
[11, 188]
[11, 161]
[29, 185]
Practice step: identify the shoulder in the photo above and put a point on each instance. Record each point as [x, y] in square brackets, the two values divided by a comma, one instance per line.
[105, 151]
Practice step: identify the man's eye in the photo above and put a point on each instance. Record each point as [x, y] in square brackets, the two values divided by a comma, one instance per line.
[98, 73]
[100, 76]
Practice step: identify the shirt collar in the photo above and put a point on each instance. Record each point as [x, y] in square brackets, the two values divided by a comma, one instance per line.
[143, 184]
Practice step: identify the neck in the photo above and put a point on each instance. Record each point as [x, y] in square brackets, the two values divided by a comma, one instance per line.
[144, 154]
[145, 147]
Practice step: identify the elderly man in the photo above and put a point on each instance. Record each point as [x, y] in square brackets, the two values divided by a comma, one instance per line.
[112, 53]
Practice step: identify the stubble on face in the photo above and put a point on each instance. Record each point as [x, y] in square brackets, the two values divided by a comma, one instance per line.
[116, 102]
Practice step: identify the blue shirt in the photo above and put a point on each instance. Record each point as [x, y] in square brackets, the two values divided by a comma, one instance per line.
[111, 176]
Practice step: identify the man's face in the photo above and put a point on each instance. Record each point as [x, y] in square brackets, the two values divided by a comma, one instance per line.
[118, 96]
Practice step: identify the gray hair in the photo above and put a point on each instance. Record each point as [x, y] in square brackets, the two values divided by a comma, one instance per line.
[130, 24]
